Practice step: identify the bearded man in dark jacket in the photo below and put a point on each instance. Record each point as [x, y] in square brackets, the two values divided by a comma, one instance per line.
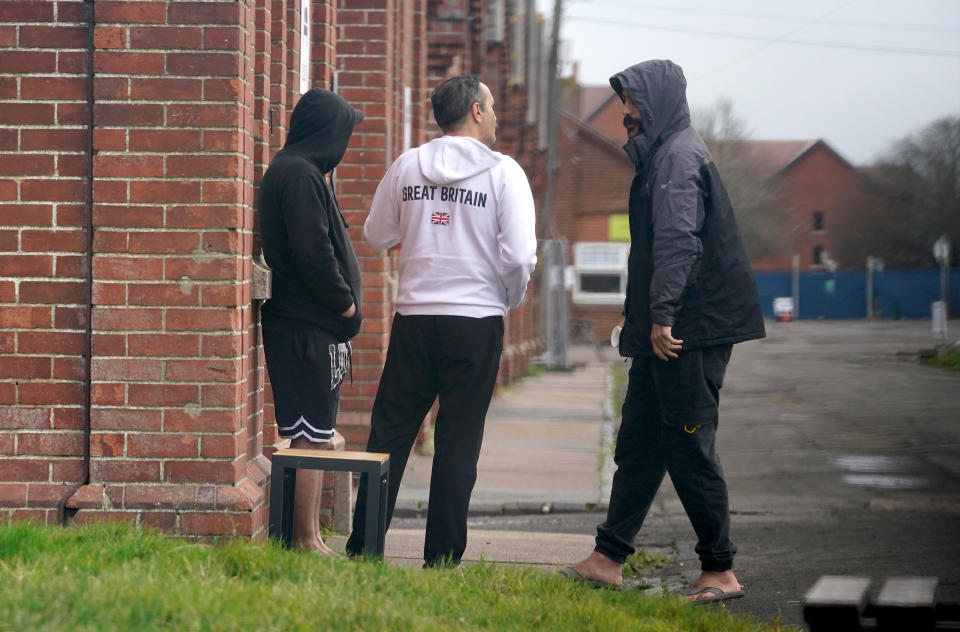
[314, 309]
[690, 296]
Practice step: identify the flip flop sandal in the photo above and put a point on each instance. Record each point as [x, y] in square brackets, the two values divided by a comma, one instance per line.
[715, 594]
[574, 575]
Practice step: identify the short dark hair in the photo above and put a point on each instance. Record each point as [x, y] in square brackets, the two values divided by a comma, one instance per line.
[453, 99]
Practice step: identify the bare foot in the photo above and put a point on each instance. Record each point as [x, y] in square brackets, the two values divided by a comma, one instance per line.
[315, 545]
[724, 580]
[599, 567]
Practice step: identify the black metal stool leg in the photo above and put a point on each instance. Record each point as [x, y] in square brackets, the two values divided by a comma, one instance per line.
[372, 542]
[382, 512]
[275, 529]
[289, 492]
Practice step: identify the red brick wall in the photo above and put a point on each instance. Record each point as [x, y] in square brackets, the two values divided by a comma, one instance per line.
[259, 405]
[278, 72]
[172, 439]
[450, 52]
[277, 48]
[43, 241]
[422, 113]
[593, 178]
[609, 121]
[190, 101]
[820, 181]
[593, 182]
[519, 140]
[171, 316]
[366, 56]
[323, 16]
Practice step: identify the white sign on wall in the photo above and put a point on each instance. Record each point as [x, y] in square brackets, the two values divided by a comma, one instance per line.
[407, 118]
[304, 46]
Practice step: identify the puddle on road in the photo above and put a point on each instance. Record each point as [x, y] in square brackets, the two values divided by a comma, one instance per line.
[886, 481]
[886, 472]
[870, 463]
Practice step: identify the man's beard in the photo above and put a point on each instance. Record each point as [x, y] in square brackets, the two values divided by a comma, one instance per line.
[629, 121]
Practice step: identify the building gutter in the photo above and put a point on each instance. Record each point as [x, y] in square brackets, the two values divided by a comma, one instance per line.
[88, 344]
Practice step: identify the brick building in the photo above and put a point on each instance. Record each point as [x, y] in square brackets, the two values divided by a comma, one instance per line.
[816, 186]
[133, 135]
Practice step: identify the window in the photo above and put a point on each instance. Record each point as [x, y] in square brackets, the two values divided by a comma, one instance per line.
[600, 273]
[594, 283]
[496, 21]
[818, 255]
[818, 221]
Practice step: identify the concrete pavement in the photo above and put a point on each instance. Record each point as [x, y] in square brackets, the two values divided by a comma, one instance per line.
[540, 447]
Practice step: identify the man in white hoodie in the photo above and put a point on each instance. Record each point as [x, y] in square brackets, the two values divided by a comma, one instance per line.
[465, 217]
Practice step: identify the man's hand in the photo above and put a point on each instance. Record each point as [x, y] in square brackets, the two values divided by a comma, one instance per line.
[350, 311]
[664, 344]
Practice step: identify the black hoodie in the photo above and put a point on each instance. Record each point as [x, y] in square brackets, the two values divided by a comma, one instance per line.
[688, 268]
[316, 275]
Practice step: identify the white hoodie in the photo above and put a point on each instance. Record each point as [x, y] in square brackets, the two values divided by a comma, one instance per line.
[465, 217]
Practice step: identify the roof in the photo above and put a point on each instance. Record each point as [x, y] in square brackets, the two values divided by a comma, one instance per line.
[586, 130]
[775, 156]
[592, 98]
[769, 156]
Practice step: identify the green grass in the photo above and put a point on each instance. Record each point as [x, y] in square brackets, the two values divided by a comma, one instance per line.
[117, 577]
[949, 361]
[645, 561]
[534, 370]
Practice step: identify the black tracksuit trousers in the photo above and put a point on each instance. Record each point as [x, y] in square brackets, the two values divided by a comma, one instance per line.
[669, 424]
[455, 358]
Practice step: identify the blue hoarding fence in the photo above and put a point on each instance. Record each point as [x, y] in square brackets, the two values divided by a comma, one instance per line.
[843, 294]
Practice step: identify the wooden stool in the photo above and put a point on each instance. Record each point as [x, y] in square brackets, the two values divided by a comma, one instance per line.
[374, 465]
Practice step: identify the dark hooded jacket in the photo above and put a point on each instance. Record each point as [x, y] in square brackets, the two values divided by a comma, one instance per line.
[316, 275]
[688, 268]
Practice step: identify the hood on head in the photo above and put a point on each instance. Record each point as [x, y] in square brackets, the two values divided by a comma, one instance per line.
[659, 89]
[321, 126]
[452, 158]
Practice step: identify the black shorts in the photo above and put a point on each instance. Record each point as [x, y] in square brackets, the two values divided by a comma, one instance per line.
[306, 367]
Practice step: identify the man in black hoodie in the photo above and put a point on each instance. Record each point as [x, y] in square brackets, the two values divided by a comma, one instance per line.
[314, 309]
[690, 296]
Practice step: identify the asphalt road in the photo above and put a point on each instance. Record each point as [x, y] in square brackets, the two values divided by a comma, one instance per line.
[842, 454]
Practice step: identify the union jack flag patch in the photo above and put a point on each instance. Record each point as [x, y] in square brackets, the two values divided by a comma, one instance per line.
[440, 218]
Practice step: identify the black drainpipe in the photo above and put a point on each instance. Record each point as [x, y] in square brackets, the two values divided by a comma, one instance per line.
[65, 513]
[88, 351]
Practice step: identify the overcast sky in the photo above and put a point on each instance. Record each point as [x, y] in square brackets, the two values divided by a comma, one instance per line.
[885, 68]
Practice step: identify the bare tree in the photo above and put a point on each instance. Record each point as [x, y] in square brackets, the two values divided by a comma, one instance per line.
[915, 189]
[761, 215]
[719, 123]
